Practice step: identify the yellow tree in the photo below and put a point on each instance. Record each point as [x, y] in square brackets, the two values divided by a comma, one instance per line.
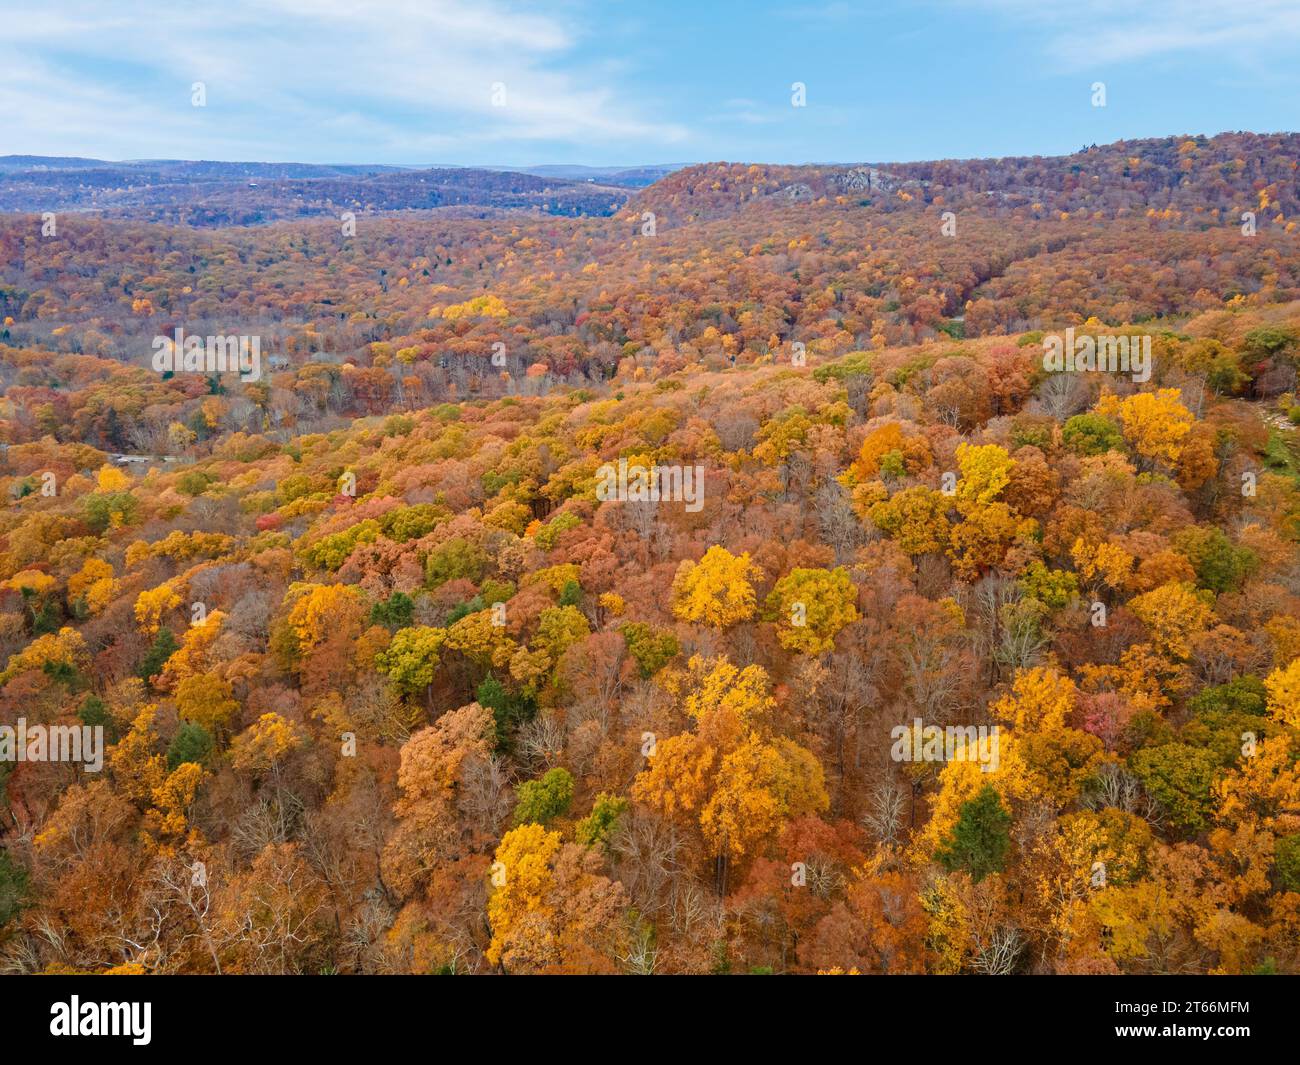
[1105, 562]
[137, 770]
[916, 517]
[1040, 700]
[479, 639]
[985, 472]
[988, 524]
[1084, 853]
[962, 778]
[559, 628]
[718, 590]
[981, 539]
[152, 604]
[410, 661]
[889, 448]
[1173, 613]
[66, 648]
[194, 654]
[94, 582]
[759, 786]
[264, 743]
[518, 910]
[1156, 424]
[1284, 694]
[1264, 788]
[206, 700]
[550, 910]
[1151, 921]
[33, 582]
[319, 609]
[1034, 756]
[111, 479]
[730, 776]
[172, 800]
[810, 606]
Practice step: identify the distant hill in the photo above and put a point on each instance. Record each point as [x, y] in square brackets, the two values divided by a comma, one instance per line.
[190, 169]
[1191, 174]
[204, 193]
[1188, 173]
[633, 177]
[46, 162]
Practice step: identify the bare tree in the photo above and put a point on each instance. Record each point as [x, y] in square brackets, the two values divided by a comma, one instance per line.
[645, 850]
[839, 525]
[1062, 395]
[1115, 786]
[884, 816]
[998, 956]
[485, 795]
[641, 955]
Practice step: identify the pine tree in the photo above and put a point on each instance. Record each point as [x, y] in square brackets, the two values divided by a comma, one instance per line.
[981, 838]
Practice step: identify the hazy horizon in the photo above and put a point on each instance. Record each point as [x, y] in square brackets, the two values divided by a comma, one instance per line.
[626, 166]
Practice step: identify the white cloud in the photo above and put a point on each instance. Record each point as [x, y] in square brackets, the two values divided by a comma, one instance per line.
[1093, 33]
[398, 77]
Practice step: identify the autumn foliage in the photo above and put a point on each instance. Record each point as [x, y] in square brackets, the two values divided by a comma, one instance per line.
[369, 650]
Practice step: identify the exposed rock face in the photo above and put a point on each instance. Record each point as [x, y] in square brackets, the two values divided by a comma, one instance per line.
[856, 180]
[868, 178]
[799, 192]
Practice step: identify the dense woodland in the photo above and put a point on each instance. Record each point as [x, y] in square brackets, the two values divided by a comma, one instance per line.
[227, 194]
[369, 651]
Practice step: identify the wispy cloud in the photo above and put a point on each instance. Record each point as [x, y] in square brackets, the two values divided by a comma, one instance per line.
[399, 77]
[410, 81]
[1095, 33]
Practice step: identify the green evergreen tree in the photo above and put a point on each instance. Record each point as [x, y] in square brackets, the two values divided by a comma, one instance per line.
[981, 838]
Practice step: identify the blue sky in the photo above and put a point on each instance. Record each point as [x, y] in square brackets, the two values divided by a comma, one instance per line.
[613, 83]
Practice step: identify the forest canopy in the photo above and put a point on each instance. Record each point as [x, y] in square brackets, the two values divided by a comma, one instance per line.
[389, 684]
